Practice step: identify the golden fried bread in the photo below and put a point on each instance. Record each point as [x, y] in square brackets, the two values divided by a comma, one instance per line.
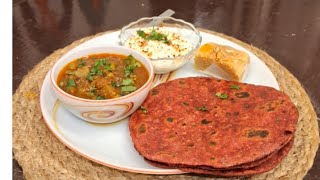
[230, 60]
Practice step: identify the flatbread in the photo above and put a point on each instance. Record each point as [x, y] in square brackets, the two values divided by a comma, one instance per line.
[264, 167]
[267, 165]
[202, 121]
[241, 166]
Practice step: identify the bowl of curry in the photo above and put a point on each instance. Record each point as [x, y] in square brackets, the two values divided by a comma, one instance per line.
[102, 84]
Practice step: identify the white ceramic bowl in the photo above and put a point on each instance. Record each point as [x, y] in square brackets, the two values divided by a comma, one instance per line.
[102, 111]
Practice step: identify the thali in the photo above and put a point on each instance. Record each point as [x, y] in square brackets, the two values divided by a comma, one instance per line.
[111, 144]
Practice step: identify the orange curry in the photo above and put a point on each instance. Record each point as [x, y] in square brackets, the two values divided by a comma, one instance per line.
[102, 76]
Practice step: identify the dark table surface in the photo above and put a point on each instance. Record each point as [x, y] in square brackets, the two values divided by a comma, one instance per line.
[289, 30]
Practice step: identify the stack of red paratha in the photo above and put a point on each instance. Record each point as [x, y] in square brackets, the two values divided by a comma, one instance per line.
[211, 126]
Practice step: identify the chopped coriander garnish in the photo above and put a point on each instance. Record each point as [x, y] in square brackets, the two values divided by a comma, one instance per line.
[103, 61]
[96, 63]
[137, 64]
[203, 108]
[127, 72]
[222, 95]
[115, 84]
[141, 34]
[126, 82]
[128, 88]
[71, 83]
[129, 69]
[100, 97]
[81, 62]
[143, 110]
[154, 35]
[129, 59]
[108, 67]
[100, 72]
[131, 64]
[234, 87]
[92, 90]
[89, 77]
[96, 69]
[100, 62]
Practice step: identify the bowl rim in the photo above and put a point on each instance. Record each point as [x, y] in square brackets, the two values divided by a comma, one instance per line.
[60, 91]
[165, 18]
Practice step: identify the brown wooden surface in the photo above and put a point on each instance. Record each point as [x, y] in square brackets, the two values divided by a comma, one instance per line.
[289, 30]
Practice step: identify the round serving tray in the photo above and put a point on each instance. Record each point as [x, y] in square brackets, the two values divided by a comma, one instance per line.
[42, 155]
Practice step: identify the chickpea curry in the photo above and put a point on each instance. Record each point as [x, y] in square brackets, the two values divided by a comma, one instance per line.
[102, 76]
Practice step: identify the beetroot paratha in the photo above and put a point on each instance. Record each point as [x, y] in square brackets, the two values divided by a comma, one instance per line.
[209, 122]
[267, 165]
[264, 167]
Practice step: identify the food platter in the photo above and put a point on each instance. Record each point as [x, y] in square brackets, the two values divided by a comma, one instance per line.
[110, 144]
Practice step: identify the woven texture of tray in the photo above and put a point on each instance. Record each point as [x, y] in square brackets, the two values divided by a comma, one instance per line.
[43, 156]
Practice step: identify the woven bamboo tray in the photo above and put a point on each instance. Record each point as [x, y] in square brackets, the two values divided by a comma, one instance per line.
[43, 156]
